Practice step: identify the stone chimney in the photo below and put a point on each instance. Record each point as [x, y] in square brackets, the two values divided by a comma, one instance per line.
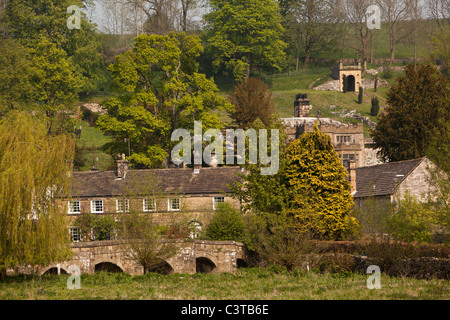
[352, 176]
[122, 166]
[301, 106]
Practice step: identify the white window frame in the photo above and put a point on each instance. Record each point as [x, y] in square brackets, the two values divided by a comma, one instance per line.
[217, 202]
[120, 208]
[170, 204]
[71, 207]
[72, 233]
[146, 205]
[93, 207]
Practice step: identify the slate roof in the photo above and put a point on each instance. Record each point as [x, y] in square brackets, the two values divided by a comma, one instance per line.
[383, 179]
[150, 181]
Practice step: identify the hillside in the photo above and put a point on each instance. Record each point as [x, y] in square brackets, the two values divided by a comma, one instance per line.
[285, 86]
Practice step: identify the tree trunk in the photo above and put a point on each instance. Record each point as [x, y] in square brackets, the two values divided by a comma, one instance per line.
[307, 51]
[371, 46]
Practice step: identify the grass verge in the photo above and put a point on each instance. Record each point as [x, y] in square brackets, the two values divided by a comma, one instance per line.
[246, 284]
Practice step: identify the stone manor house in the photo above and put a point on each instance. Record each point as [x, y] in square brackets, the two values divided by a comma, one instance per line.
[347, 139]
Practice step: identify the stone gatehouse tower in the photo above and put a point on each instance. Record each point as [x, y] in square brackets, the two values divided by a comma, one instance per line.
[353, 74]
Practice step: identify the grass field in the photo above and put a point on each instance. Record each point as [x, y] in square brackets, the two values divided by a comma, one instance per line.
[286, 86]
[246, 284]
[91, 140]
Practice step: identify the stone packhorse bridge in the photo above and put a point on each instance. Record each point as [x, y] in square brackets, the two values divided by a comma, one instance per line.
[192, 256]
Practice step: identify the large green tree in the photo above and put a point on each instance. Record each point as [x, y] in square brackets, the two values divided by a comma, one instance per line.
[159, 90]
[242, 35]
[15, 76]
[30, 20]
[417, 107]
[54, 78]
[33, 175]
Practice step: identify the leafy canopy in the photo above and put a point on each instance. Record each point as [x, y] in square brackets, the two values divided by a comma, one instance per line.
[159, 90]
[417, 107]
[33, 174]
[30, 20]
[243, 34]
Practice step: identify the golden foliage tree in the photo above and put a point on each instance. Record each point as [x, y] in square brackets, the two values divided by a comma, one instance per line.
[321, 198]
[33, 175]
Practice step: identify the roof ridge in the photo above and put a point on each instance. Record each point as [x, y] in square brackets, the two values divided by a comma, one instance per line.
[393, 162]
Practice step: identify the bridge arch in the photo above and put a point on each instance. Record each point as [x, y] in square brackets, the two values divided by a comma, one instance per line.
[163, 267]
[54, 271]
[204, 265]
[241, 263]
[108, 267]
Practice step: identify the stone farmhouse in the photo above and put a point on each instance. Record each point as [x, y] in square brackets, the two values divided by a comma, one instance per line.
[167, 194]
[389, 182]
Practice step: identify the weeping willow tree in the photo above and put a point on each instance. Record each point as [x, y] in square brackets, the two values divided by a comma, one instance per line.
[34, 170]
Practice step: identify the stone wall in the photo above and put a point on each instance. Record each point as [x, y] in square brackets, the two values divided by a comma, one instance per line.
[416, 183]
[418, 268]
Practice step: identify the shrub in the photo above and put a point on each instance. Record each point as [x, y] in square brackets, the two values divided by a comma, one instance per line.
[89, 116]
[387, 74]
[375, 107]
[94, 227]
[360, 95]
[412, 221]
[275, 240]
[226, 224]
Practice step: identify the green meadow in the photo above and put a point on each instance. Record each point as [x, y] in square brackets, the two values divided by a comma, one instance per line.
[245, 284]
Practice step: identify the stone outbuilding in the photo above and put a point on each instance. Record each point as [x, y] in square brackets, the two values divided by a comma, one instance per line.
[389, 182]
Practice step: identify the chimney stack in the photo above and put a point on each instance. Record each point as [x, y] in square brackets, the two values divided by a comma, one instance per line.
[352, 176]
[301, 106]
[122, 166]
